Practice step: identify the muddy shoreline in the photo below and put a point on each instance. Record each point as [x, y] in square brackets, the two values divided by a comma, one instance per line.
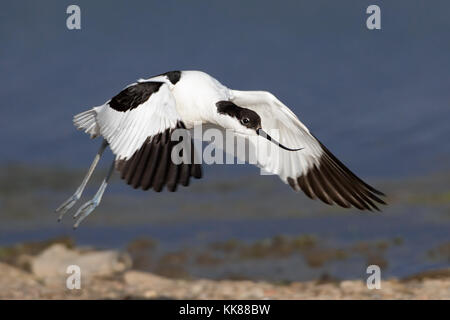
[109, 275]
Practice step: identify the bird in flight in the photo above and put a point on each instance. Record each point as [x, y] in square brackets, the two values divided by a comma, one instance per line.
[138, 122]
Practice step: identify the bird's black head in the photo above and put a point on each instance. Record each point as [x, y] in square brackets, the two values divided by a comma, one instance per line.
[246, 117]
[249, 121]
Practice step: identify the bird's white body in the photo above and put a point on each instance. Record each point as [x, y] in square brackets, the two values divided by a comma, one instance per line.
[135, 124]
[194, 94]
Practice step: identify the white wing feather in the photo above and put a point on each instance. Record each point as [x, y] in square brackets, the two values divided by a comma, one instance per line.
[281, 123]
[314, 169]
[127, 131]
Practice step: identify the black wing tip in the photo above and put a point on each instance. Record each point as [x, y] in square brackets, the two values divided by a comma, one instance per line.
[378, 192]
[362, 205]
[333, 183]
[150, 167]
[172, 188]
[197, 172]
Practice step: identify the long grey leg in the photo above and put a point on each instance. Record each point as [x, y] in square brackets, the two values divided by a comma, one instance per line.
[89, 206]
[62, 209]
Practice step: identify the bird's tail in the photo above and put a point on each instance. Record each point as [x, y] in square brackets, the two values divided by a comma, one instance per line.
[87, 122]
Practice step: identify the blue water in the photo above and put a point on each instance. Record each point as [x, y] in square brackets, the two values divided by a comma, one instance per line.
[380, 100]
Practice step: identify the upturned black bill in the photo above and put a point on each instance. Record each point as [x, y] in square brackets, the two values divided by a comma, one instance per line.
[264, 134]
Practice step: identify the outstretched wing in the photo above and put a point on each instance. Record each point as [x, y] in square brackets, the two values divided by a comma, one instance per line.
[137, 124]
[314, 169]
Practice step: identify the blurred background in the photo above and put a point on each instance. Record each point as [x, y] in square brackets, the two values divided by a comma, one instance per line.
[380, 100]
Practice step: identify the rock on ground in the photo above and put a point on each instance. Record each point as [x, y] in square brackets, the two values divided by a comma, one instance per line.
[106, 275]
[51, 265]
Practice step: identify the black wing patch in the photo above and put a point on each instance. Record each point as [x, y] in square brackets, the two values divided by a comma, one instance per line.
[133, 96]
[332, 182]
[151, 165]
[173, 76]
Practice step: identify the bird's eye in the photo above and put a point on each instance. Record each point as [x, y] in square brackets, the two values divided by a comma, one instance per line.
[245, 120]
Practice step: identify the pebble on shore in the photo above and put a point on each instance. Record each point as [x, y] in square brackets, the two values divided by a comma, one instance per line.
[108, 276]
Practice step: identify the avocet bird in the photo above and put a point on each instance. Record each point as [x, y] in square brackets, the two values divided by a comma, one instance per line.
[136, 124]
